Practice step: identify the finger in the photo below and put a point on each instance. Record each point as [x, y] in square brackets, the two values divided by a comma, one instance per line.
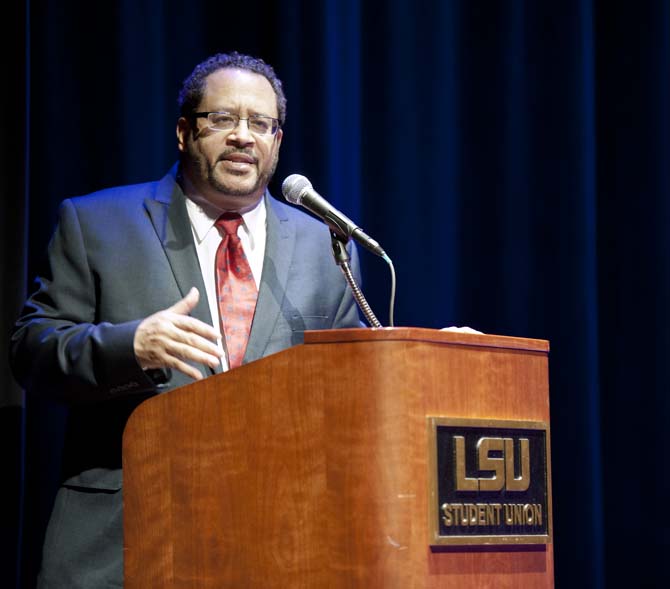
[168, 338]
[187, 304]
[178, 338]
[191, 353]
[184, 368]
[175, 355]
[192, 325]
[157, 341]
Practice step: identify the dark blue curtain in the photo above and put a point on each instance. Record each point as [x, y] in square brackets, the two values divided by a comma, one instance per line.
[510, 157]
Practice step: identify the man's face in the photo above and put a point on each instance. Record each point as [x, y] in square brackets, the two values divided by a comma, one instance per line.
[231, 169]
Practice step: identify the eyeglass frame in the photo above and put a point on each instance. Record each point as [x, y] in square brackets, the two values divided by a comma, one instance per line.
[205, 115]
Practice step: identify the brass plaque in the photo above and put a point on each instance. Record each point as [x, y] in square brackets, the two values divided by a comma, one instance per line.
[489, 482]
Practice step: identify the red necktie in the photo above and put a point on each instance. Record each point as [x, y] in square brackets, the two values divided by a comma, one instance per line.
[235, 289]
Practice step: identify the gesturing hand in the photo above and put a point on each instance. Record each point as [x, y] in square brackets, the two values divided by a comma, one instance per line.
[171, 338]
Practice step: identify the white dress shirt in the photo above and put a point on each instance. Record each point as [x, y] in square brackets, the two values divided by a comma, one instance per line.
[252, 234]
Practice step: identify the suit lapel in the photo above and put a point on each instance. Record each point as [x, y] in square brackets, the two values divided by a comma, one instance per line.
[169, 217]
[279, 245]
[167, 211]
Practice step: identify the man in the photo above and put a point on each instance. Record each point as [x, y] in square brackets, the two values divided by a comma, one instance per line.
[128, 304]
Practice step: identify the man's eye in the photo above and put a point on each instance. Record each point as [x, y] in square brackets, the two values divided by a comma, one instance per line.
[222, 120]
[259, 124]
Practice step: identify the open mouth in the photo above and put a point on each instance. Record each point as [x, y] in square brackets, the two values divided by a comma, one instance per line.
[239, 158]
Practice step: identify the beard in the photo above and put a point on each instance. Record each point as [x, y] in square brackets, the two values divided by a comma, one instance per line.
[226, 184]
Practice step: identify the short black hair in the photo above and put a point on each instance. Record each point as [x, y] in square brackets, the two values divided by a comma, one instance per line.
[193, 87]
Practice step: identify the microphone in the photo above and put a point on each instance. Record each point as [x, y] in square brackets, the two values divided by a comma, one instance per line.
[298, 190]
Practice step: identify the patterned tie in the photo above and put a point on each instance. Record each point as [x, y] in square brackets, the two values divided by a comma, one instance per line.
[235, 289]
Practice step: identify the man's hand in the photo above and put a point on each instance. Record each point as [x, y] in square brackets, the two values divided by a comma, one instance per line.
[171, 338]
[464, 329]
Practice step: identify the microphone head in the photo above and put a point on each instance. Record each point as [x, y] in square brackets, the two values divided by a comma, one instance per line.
[293, 188]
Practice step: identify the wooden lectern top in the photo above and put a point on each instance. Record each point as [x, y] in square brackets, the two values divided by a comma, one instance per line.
[421, 334]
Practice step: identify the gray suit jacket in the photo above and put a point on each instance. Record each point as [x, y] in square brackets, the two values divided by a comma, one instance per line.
[116, 257]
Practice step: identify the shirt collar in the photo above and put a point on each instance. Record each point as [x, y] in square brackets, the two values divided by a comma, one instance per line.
[203, 217]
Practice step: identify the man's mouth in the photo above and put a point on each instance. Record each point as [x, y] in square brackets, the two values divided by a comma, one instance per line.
[240, 158]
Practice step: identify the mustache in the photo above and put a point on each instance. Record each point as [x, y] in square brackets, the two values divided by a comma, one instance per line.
[236, 151]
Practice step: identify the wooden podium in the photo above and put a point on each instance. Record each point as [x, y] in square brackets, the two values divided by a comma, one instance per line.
[310, 469]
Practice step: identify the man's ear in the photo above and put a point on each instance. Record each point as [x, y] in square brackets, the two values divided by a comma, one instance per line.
[183, 129]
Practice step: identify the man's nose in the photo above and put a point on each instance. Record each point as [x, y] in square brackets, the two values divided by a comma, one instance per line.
[241, 133]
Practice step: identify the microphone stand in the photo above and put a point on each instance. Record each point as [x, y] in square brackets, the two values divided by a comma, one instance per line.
[342, 260]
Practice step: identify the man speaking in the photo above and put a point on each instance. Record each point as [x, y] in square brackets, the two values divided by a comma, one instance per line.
[149, 287]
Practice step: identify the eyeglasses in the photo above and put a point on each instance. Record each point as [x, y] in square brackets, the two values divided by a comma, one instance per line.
[227, 121]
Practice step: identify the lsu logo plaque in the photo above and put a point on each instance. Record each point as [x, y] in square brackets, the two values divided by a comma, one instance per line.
[489, 482]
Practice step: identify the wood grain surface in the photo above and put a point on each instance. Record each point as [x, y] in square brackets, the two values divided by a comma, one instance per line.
[309, 468]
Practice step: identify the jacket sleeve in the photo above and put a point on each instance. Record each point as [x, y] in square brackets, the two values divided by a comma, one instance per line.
[59, 349]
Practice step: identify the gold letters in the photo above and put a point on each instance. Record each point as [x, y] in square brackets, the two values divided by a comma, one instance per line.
[494, 455]
[491, 514]
[462, 482]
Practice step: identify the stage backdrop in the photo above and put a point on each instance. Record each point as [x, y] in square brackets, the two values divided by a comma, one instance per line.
[511, 157]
